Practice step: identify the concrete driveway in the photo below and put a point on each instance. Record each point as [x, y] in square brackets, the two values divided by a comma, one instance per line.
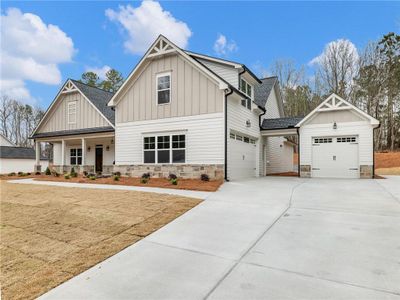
[267, 238]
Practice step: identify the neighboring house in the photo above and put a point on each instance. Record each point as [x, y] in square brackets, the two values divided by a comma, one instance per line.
[178, 112]
[17, 159]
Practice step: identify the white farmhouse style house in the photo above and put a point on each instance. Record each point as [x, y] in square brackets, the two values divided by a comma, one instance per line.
[186, 113]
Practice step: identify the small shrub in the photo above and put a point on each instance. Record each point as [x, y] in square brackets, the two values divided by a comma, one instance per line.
[12, 174]
[20, 173]
[38, 173]
[66, 176]
[144, 180]
[27, 174]
[85, 173]
[116, 178]
[88, 175]
[172, 176]
[93, 177]
[117, 174]
[174, 181]
[47, 172]
[146, 176]
[204, 177]
[73, 173]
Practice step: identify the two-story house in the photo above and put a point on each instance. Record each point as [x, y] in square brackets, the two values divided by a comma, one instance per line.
[183, 113]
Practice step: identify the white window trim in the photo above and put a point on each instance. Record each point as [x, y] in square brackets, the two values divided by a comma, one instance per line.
[76, 156]
[72, 105]
[170, 87]
[252, 93]
[170, 148]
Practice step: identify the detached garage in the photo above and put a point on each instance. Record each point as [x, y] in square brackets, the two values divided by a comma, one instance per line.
[336, 141]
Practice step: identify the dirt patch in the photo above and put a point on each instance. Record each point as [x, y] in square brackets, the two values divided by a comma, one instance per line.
[387, 160]
[388, 171]
[183, 184]
[285, 174]
[50, 234]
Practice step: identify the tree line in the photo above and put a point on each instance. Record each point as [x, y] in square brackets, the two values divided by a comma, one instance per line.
[370, 80]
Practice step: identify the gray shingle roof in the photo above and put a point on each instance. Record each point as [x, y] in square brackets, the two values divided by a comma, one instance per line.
[262, 91]
[18, 152]
[280, 123]
[74, 132]
[99, 98]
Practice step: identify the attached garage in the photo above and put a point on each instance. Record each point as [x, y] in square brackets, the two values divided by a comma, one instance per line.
[336, 141]
[242, 156]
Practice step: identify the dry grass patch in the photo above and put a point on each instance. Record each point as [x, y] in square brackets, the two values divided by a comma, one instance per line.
[50, 234]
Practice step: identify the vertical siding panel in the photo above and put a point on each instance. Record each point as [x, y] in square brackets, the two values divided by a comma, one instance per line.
[142, 102]
[181, 88]
[136, 106]
[146, 88]
[196, 92]
[188, 89]
[203, 94]
[174, 100]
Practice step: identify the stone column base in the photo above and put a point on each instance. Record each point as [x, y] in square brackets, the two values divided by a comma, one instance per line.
[305, 171]
[37, 168]
[366, 171]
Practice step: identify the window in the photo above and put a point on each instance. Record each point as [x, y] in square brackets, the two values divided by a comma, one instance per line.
[232, 135]
[239, 138]
[246, 139]
[71, 107]
[167, 149]
[164, 88]
[322, 140]
[350, 139]
[149, 145]
[252, 141]
[247, 89]
[75, 156]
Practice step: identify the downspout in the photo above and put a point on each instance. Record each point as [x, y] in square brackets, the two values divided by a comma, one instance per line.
[373, 150]
[298, 152]
[226, 133]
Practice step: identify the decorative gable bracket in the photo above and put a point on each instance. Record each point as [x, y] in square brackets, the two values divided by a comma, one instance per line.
[334, 103]
[69, 87]
[161, 48]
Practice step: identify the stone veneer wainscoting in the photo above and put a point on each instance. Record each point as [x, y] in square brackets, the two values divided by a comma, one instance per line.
[366, 171]
[163, 171]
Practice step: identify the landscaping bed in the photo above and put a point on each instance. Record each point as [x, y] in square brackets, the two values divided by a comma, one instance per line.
[51, 234]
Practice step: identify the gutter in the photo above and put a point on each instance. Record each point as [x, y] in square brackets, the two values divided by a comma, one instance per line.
[226, 133]
[298, 152]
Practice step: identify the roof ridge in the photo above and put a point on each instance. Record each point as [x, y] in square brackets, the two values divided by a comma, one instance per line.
[269, 77]
[88, 85]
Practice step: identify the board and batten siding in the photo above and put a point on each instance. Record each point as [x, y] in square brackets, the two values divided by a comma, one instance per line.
[192, 93]
[204, 138]
[230, 74]
[237, 117]
[361, 129]
[86, 115]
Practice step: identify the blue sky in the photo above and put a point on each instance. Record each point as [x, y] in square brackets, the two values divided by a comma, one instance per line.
[254, 33]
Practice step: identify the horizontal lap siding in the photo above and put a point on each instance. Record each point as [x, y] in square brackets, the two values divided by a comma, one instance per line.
[86, 115]
[192, 93]
[230, 74]
[362, 129]
[204, 138]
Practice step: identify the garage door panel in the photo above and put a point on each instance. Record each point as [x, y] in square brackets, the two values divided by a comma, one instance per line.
[241, 159]
[335, 157]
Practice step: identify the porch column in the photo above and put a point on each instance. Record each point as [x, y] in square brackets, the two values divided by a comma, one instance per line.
[38, 167]
[83, 154]
[62, 153]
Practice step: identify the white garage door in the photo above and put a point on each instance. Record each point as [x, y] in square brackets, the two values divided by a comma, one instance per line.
[335, 157]
[241, 158]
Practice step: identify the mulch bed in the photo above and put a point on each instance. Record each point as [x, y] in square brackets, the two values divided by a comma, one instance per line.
[183, 184]
[285, 174]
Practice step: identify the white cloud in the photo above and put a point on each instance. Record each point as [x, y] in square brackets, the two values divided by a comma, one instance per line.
[101, 72]
[30, 50]
[222, 46]
[145, 23]
[340, 48]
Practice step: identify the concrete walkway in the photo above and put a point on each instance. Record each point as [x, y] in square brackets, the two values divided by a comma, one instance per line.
[186, 193]
[268, 238]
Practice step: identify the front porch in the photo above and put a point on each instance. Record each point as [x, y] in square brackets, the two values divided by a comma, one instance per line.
[89, 153]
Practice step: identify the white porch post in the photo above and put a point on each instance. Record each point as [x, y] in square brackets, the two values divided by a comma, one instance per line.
[62, 153]
[83, 154]
[37, 153]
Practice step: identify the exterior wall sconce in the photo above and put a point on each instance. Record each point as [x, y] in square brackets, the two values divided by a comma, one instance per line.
[248, 123]
[107, 148]
[334, 125]
[112, 141]
[88, 149]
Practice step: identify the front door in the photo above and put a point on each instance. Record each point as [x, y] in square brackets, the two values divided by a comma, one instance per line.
[99, 158]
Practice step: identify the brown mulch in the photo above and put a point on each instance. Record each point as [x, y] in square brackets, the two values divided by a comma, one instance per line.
[286, 174]
[183, 184]
[50, 234]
